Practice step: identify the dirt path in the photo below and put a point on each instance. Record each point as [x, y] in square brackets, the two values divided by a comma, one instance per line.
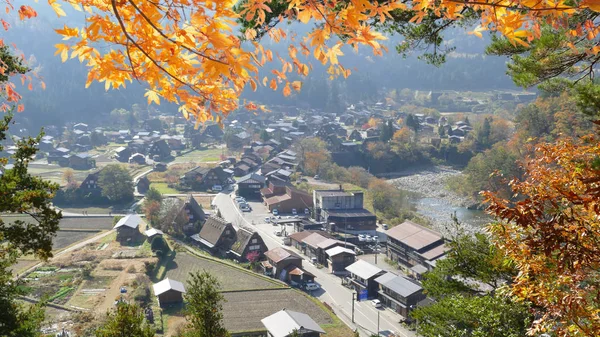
[114, 290]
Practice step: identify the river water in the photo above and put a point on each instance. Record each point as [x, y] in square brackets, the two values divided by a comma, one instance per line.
[431, 199]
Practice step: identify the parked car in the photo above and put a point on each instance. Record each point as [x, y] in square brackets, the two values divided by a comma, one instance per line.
[385, 226]
[267, 219]
[306, 211]
[240, 199]
[275, 212]
[376, 303]
[368, 238]
[316, 177]
[217, 188]
[361, 237]
[311, 286]
[278, 232]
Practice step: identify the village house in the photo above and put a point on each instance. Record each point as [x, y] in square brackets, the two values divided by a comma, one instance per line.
[90, 184]
[286, 199]
[399, 293]
[204, 178]
[81, 161]
[415, 246]
[250, 185]
[281, 258]
[247, 244]
[362, 279]
[128, 228]
[355, 136]
[216, 236]
[159, 150]
[122, 154]
[338, 258]
[186, 215]
[137, 158]
[80, 127]
[143, 185]
[60, 156]
[343, 211]
[169, 292]
[152, 233]
[284, 323]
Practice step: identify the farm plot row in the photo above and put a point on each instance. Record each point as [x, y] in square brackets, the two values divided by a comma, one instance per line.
[231, 279]
[65, 238]
[90, 223]
[243, 310]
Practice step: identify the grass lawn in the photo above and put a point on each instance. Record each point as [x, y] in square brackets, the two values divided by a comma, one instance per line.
[164, 188]
[202, 156]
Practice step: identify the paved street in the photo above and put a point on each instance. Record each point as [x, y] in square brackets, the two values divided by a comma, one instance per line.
[332, 291]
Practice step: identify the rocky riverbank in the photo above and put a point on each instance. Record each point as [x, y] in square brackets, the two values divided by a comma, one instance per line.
[431, 183]
[435, 202]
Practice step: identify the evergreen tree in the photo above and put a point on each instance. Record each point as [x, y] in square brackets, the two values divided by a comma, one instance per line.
[127, 320]
[412, 122]
[204, 306]
[153, 195]
[441, 131]
[484, 133]
[116, 183]
[264, 135]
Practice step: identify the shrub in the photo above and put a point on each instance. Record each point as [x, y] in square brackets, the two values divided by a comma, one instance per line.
[141, 295]
[149, 267]
[158, 243]
[131, 269]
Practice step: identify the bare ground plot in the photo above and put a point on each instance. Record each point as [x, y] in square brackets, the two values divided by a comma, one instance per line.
[81, 222]
[65, 238]
[244, 310]
[22, 265]
[204, 201]
[231, 278]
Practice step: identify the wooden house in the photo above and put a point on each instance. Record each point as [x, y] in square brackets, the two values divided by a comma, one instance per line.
[128, 228]
[169, 292]
[216, 236]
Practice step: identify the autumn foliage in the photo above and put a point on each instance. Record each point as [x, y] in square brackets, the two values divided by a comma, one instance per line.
[552, 233]
[190, 51]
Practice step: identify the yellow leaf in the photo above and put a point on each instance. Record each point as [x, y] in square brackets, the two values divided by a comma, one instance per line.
[273, 84]
[152, 97]
[57, 8]
[304, 16]
[286, 90]
[297, 85]
[253, 85]
[477, 31]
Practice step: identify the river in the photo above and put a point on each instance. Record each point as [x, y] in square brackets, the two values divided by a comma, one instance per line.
[432, 199]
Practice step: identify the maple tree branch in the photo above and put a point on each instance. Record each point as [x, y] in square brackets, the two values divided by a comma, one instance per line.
[170, 39]
[513, 7]
[122, 25]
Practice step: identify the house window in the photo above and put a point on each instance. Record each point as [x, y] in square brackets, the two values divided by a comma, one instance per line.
[254, 247]
[254, 240]
[227, 232]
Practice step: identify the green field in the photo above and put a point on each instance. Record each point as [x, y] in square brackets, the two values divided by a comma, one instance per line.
[164, 188]
[202, 156]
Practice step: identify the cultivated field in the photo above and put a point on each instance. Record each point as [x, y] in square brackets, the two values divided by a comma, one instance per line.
[203, 156]
[65, 238]
[231, 278]
[244, 310]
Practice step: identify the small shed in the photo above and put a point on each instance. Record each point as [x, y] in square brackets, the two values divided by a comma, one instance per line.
[283, 323]
[169, 292]
[128, 228]
[152, 232]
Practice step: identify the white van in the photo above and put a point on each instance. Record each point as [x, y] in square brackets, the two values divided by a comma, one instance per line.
[311, 286]
[278, 232]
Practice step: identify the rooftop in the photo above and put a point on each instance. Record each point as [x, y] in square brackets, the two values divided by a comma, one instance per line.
[414, 235]
[131, 220]
[279, 254]
[339, 250]
[284, 322]
[398, 284]
[363, 269]
[166, 285]
[350, 213]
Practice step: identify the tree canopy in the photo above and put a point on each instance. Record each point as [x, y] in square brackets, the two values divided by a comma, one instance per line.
[116, 183]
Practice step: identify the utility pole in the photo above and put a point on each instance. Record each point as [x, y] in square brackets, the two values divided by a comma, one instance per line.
[376, 249]
[353, 306]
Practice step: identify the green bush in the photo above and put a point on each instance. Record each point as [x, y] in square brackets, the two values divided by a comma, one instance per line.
[149, 267]
[159, 243]
[141, 295]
